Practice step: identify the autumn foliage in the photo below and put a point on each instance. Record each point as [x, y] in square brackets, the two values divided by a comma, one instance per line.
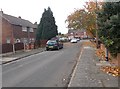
[84, 18]
[113, 70]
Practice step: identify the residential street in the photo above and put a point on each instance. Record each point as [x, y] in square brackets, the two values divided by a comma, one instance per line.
[60, 44]
[46, 69]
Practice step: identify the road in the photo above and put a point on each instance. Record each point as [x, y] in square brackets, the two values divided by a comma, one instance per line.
[46, 69]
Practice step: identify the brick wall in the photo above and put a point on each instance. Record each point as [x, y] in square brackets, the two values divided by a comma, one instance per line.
[6, 31]
[43, 43]
[33, 34]
[18, 33]
[0, 28]
[7, 48]
[19, 46]
[10, 31]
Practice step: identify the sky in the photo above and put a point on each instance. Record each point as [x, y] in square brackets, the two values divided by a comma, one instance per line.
[32, 10]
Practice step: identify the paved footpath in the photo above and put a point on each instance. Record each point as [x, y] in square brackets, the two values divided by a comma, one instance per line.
[19, 55]
[88, 74]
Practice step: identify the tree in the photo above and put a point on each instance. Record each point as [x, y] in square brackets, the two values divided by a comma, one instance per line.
[109, 24]
[84, 18]
[47, 28]
[76, 20]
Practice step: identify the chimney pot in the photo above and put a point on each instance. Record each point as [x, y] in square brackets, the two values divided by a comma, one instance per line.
[19, 17]
[1, 11]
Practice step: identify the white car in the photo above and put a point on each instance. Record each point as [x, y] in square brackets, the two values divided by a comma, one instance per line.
[73, 41]
[78, 39]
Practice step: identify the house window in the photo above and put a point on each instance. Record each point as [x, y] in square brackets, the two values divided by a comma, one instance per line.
[33, 39]
[31, 30]
[24, 40]
[8, 40]
[24, 29]
[71, 33]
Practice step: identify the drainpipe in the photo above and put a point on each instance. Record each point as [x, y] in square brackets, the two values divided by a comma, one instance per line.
[13, 40]
[13, 48]
[24, 43]
[28, 35]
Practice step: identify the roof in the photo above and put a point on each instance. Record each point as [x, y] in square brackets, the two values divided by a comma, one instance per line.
[18, 21]
[74, 31]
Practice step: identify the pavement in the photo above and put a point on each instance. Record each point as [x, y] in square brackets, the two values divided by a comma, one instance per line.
[87, 72]
[21, 54]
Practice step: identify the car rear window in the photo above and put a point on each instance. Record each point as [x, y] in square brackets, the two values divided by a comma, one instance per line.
[51, 42]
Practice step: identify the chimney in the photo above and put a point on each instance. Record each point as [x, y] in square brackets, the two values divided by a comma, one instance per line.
[35, 23]
[19, 17]
[1, 11]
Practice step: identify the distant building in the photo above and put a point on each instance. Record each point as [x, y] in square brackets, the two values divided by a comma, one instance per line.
[16, 31]
[76, 33]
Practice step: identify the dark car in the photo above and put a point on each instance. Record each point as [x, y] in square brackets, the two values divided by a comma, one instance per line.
[54, 44]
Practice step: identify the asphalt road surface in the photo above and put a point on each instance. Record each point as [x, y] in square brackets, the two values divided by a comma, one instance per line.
[46, 69]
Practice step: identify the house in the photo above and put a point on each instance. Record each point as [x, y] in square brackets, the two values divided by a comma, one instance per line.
[17, 33]
[76, 34]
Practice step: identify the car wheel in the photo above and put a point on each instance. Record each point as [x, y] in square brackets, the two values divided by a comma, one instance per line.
[47, 49]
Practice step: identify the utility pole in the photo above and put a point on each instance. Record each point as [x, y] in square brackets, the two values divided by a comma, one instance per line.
[96, 26]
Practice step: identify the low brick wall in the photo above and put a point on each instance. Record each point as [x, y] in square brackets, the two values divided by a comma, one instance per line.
[19, 46]
[7, 48]
[43, 43]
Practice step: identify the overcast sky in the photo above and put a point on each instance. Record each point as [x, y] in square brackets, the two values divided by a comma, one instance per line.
[32, 9]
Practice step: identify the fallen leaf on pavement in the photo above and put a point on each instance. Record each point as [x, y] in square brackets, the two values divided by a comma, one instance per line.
[114, 70]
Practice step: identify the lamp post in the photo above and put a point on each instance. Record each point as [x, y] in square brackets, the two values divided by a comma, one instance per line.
[96, 28]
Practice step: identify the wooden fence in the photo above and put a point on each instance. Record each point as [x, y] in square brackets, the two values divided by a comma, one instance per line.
[9, 47]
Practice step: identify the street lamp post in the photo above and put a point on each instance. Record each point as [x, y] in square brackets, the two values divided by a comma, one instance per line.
[96, 28]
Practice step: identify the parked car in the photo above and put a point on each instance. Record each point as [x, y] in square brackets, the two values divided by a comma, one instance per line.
[54, 44]
[78, 39]
[63, 39]
[73, 40]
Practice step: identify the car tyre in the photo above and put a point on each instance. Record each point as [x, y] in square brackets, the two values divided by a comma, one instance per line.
[47, 49]
[58, 48]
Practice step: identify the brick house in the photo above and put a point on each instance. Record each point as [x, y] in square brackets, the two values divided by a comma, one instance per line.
[76, 33]
[17, 33]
